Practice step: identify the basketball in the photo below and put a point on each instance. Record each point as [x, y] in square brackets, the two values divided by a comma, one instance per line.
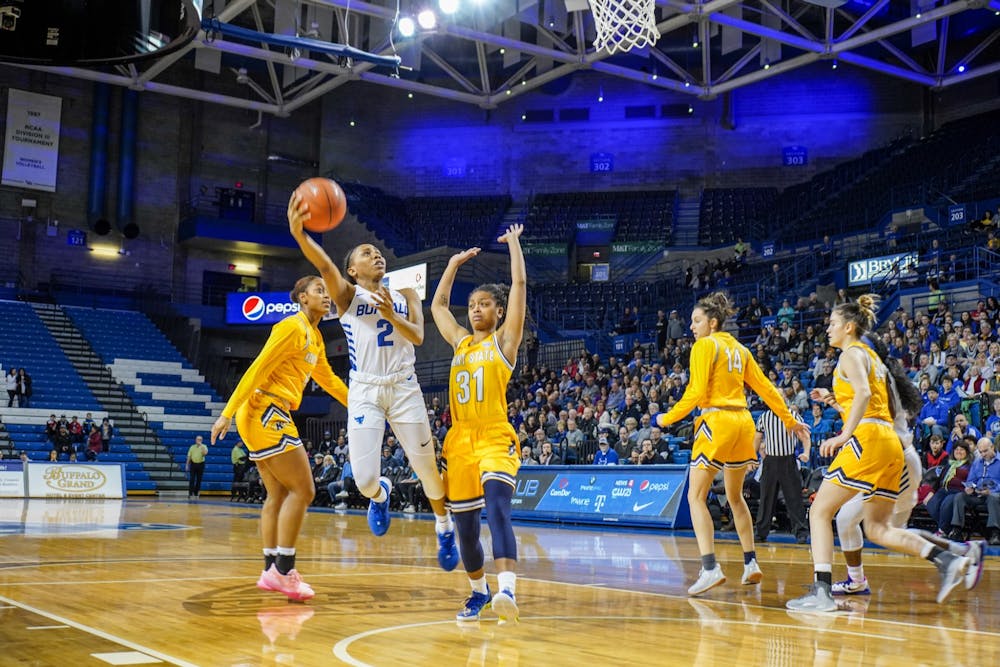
[327, 203]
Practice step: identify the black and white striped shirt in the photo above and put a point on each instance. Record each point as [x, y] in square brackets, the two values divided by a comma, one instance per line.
[778, 441]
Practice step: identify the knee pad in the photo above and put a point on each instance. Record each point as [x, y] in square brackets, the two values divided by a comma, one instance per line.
[467, 527]
[498, 496]
[849, 526]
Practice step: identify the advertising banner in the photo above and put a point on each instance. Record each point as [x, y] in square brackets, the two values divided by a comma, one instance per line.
[638, 495]
[867, 271]
[258, 307]
[11, 479]
[31, 146]
[75, 480]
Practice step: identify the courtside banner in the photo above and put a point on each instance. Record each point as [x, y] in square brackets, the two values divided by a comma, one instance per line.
[629, 495]
[76, 480]
[11, 479]
[31, 144]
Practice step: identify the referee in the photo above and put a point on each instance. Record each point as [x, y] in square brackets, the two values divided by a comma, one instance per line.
[776, 445]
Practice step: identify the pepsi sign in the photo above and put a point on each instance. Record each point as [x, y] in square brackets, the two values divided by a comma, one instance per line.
[259, 308]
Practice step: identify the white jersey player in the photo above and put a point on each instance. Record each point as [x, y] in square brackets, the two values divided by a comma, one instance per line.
[382, 327]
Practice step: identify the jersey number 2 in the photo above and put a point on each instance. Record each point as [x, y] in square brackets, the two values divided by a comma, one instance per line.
[385, 330]
[462, 379]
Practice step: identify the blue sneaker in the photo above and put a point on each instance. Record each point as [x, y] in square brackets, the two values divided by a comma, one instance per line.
[505, 606]
[378, 513]
[447, 551]
[474, 604]
[850, 587]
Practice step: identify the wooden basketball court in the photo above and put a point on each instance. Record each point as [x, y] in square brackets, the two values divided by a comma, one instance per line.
[155, 581]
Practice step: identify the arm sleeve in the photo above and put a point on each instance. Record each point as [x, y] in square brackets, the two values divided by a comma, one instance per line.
[283, 339]
[327, 379]
[702, 354]
[755, 378]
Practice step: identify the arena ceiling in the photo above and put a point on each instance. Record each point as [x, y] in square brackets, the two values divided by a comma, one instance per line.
[492, 51]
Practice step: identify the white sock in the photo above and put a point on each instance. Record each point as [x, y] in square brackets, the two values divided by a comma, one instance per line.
[856, 573]
[381, 496]
[479, 585]
[443, 523]
[927, 549]
[270, 552]
[507, 581]
[959, 548]
[285, 551]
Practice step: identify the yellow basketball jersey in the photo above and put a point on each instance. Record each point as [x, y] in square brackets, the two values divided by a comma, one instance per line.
[720, 367]
[477, 387]
[878, 406]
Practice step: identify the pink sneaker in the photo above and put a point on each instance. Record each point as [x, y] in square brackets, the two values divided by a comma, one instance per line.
[291, 584]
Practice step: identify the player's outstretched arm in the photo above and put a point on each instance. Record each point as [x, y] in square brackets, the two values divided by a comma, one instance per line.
[446, 323]
[340, 289]
[512, 331]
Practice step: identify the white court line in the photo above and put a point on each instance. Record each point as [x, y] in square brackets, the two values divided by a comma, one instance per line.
[99, 633]
[46, 627]
[160, 580]
[342, 652]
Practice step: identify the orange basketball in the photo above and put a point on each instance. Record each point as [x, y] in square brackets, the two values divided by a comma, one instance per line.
[327, 203]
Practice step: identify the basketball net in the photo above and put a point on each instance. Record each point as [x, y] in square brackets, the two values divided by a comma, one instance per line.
[623, 25]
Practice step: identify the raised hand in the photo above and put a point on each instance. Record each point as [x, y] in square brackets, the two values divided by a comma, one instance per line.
[513, 232]
[298, 213]
[461, 258]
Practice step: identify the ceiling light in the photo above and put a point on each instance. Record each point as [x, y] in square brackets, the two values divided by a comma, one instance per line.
[246, 268]
[694, 44]
[427, 19]
[655, 76]
[407, 27]
[352, 123]
[524, 116]
[961, 69]
[503, 51]
[448, 6]
[410, 95]
[834, 65]
[107, 251]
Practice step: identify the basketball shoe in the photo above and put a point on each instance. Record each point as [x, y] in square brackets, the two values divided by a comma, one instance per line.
[752, 573]
[850, 587]
[474, 604]
[378, 513]
[952, 569]
[447, 551]
[975, 569]
[817, 599]
[707, 579]
[290, 585]
[505, 606]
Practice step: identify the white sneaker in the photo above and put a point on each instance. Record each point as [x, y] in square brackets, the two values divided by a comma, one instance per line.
[340, 506]
[707, 579]
[409, 509]
[817, 599]
[975, 569]
[751, 573]
[342, 494]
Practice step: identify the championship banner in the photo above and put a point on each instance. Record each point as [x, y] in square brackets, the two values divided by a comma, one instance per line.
[76, 480]
[31, 146]
[627, 495]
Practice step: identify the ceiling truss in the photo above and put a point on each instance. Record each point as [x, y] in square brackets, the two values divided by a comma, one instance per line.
[461, 61]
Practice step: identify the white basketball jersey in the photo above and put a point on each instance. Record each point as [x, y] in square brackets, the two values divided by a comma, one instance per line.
[373, 344]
